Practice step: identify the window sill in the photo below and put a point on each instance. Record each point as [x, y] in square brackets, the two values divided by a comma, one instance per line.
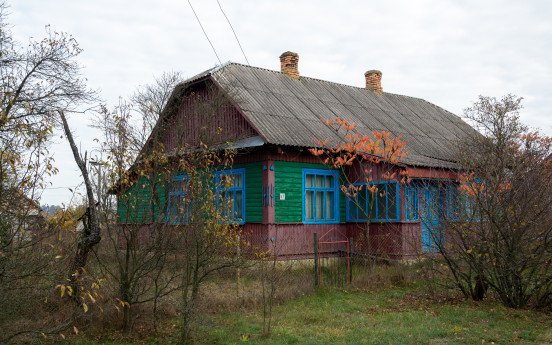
[321, 222]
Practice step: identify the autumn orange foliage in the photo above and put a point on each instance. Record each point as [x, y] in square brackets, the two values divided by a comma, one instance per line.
[364, 149]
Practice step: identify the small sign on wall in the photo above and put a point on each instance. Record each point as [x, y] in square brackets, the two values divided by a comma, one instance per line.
[282, 196]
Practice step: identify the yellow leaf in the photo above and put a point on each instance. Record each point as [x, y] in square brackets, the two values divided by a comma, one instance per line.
[58, 257]
[61, 290]
[85, 307]
[70, 290]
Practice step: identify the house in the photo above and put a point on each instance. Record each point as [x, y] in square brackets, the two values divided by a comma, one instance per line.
[272, 118]
[22, 215]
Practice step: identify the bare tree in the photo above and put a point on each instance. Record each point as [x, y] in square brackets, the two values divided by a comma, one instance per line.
[37, 81]
[91, 231]
[150, 100]
[138, 252]
[498, 230]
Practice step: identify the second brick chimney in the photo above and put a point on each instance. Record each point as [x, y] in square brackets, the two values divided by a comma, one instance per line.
[373, 80]
[289, 64]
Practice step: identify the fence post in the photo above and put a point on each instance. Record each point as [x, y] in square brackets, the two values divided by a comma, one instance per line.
[350, 260]
[316, 276]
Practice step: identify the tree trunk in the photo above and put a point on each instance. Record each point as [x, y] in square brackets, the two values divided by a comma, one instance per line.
[91, 232]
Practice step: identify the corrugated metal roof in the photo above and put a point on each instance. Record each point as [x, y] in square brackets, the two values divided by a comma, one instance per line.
[287, 111]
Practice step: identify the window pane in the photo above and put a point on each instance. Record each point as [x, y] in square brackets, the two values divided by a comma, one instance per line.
[238, 202]
[309, 205]
[319, 205]
[227, 203]
[319, 181]
[329, 181]
[410, 203]
[238, 180]
[381, 196]
[392, 201]
[309, 181]
[176, 186]
[371, 204]
[362, 210]
[329, 205]
[352, 209]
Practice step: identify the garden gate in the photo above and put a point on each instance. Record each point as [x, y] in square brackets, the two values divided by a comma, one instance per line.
[332, 259]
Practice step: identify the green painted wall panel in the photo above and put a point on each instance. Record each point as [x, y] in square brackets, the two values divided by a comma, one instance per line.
[253, 191]
[289, 180]
[143, 202]
[133, 204]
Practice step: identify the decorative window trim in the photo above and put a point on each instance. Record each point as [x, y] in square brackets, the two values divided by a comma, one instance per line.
[218, 189]
[378, 219]
[334, 189]
[181, 193]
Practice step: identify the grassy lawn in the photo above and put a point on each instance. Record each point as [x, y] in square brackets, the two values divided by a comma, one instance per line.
[393, 316]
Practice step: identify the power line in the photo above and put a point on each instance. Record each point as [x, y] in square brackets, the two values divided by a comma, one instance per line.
[235, 35]
[204, 32]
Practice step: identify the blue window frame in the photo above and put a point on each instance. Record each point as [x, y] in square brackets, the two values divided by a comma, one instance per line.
[381, 205]
[230, 193]
[178, 211]
[320, 196]
[411, 203]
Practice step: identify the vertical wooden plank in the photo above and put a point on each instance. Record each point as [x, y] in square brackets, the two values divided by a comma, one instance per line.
[316, 273]
[350, 262]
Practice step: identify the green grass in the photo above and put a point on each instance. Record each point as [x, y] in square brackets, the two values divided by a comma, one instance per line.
[387, 317]
[390, 316]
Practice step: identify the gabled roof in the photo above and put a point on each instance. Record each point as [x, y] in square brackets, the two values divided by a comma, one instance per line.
[287, 111]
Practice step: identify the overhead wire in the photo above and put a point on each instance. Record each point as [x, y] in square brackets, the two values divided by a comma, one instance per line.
[204, 32]
[234, 32]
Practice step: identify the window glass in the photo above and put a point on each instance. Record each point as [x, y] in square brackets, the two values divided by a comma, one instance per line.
[392, 201]
[177, 207]
[411, 202]
[308, 181]
[319, 203]
[309, 204]
[330, 205]
[382, 200]
[378, 205]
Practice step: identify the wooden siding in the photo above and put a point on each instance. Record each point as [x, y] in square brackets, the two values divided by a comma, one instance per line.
[399, 241]
[297, 240]
[204, 115]
[289, 180]
[144, 202]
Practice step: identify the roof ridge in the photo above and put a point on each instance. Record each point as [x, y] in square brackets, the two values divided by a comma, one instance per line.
[312, 78]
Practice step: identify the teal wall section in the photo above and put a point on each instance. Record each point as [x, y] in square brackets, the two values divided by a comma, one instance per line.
[144, 202]
[289, 180]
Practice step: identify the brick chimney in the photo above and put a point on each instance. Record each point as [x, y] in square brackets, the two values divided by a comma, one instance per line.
[289, 64]
[373, 81]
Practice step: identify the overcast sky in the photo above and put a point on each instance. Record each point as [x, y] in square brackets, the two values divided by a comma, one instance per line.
[447, 52]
